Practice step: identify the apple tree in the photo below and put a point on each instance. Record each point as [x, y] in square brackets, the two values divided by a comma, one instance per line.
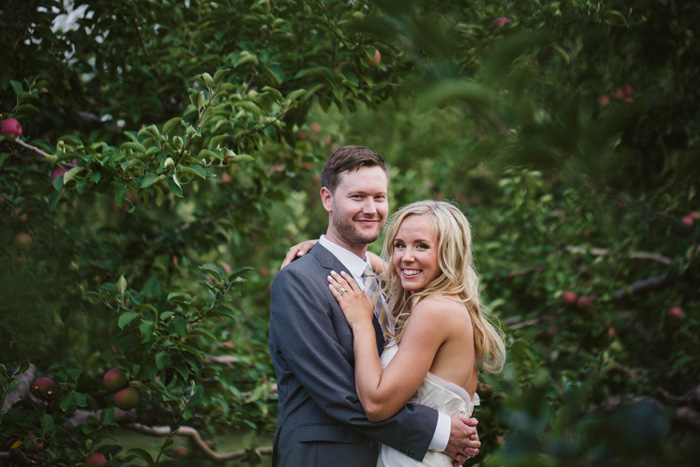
[159, 145]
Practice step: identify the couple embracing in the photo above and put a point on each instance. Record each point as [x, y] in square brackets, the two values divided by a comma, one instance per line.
[379, 370]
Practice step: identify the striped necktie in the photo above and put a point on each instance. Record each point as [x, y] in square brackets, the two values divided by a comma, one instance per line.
[372, 287]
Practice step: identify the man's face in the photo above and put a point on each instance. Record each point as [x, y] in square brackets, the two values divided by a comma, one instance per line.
[358, 208]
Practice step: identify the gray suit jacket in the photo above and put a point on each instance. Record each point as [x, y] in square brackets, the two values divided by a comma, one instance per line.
[320, 420]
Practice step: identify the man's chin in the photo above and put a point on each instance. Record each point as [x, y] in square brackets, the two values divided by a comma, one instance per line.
[369, 238]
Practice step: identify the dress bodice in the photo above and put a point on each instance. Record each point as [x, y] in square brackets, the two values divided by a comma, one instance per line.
[443, 396]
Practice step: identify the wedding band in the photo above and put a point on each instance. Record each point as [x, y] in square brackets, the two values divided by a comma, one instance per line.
[342, 290]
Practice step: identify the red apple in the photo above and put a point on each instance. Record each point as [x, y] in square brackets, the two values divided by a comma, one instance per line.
[42, 387]
[127, 398]
[22, 241]
[687, 220]
[11, 127]
[500, 22]
[603, 100]
[694, 214]
[97, 459]
[584, 302]
[629, 91]
[114, 380]
[675, 312]
[619, 94]
[569, 297]
[58, 173]
[180, 451]
[377, 59]
[611, 332]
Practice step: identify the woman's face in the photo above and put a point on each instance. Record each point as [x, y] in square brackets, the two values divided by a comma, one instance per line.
[415, 253]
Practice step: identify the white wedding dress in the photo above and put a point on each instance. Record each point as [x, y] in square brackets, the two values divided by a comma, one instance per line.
[439, 394]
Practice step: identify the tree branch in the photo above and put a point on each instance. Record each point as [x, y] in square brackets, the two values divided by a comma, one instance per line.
[196, 438]
[32, 148]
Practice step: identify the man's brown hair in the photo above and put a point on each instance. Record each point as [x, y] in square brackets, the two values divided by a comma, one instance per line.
[348, 159]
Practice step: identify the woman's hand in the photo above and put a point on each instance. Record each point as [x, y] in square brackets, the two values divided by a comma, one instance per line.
[356, 304]
[297, 251]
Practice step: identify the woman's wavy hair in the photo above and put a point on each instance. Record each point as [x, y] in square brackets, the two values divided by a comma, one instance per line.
[457, 278]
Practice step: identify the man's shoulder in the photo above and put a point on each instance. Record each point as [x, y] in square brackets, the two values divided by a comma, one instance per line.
[307, 264]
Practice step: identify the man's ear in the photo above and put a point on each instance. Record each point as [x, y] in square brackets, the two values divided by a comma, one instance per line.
[327, 199]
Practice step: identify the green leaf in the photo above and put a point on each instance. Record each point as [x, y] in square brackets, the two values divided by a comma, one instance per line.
[159, 195]
[170, 124]
[207, 153]
[16, 86]
[239, 271]
[108, 417]
[352, 79]
[150, 179]
[151, 289]
[214, 271]
[146, 330]
[179, 326]
[220, 75]
[125, 318]
[136, 146]
[294, 95]
[277, 72]
[194, 169]
[141, 454]
[245, 57]
[162, 359]
[208, 80]
[27, 108]
[120, 285]
[175, 187]
[249, 106]
[204, 333]
[242, 158]
[222, 311]
[47, 423]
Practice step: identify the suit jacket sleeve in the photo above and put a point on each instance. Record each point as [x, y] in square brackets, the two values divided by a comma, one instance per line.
[311, 333]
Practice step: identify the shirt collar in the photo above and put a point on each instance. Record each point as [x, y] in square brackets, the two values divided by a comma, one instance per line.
[355, 265]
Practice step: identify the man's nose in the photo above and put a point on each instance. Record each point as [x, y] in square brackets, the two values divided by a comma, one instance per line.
[369, 206]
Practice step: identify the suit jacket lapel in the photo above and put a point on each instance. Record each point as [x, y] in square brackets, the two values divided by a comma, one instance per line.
[331, 263]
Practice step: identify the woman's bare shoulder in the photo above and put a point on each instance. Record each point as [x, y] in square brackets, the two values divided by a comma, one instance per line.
[438, 305]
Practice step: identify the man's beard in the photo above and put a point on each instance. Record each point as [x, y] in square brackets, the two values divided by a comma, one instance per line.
[347, 231]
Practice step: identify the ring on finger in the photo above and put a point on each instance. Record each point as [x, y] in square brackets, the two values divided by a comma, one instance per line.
[342, 290]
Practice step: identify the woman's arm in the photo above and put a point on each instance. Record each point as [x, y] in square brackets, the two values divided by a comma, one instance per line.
[383, 392]
[297, 251]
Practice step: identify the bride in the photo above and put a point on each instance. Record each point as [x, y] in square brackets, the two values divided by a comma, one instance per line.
[437, 332]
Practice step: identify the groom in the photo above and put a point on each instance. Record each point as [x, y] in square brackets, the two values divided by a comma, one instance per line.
[320, 421]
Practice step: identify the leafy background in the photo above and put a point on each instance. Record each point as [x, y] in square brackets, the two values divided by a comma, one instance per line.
[171, 153]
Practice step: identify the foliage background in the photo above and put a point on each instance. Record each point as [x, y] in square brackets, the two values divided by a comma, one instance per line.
[171, 156]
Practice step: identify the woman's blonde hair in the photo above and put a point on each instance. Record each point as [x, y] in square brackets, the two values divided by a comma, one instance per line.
[457, 278]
